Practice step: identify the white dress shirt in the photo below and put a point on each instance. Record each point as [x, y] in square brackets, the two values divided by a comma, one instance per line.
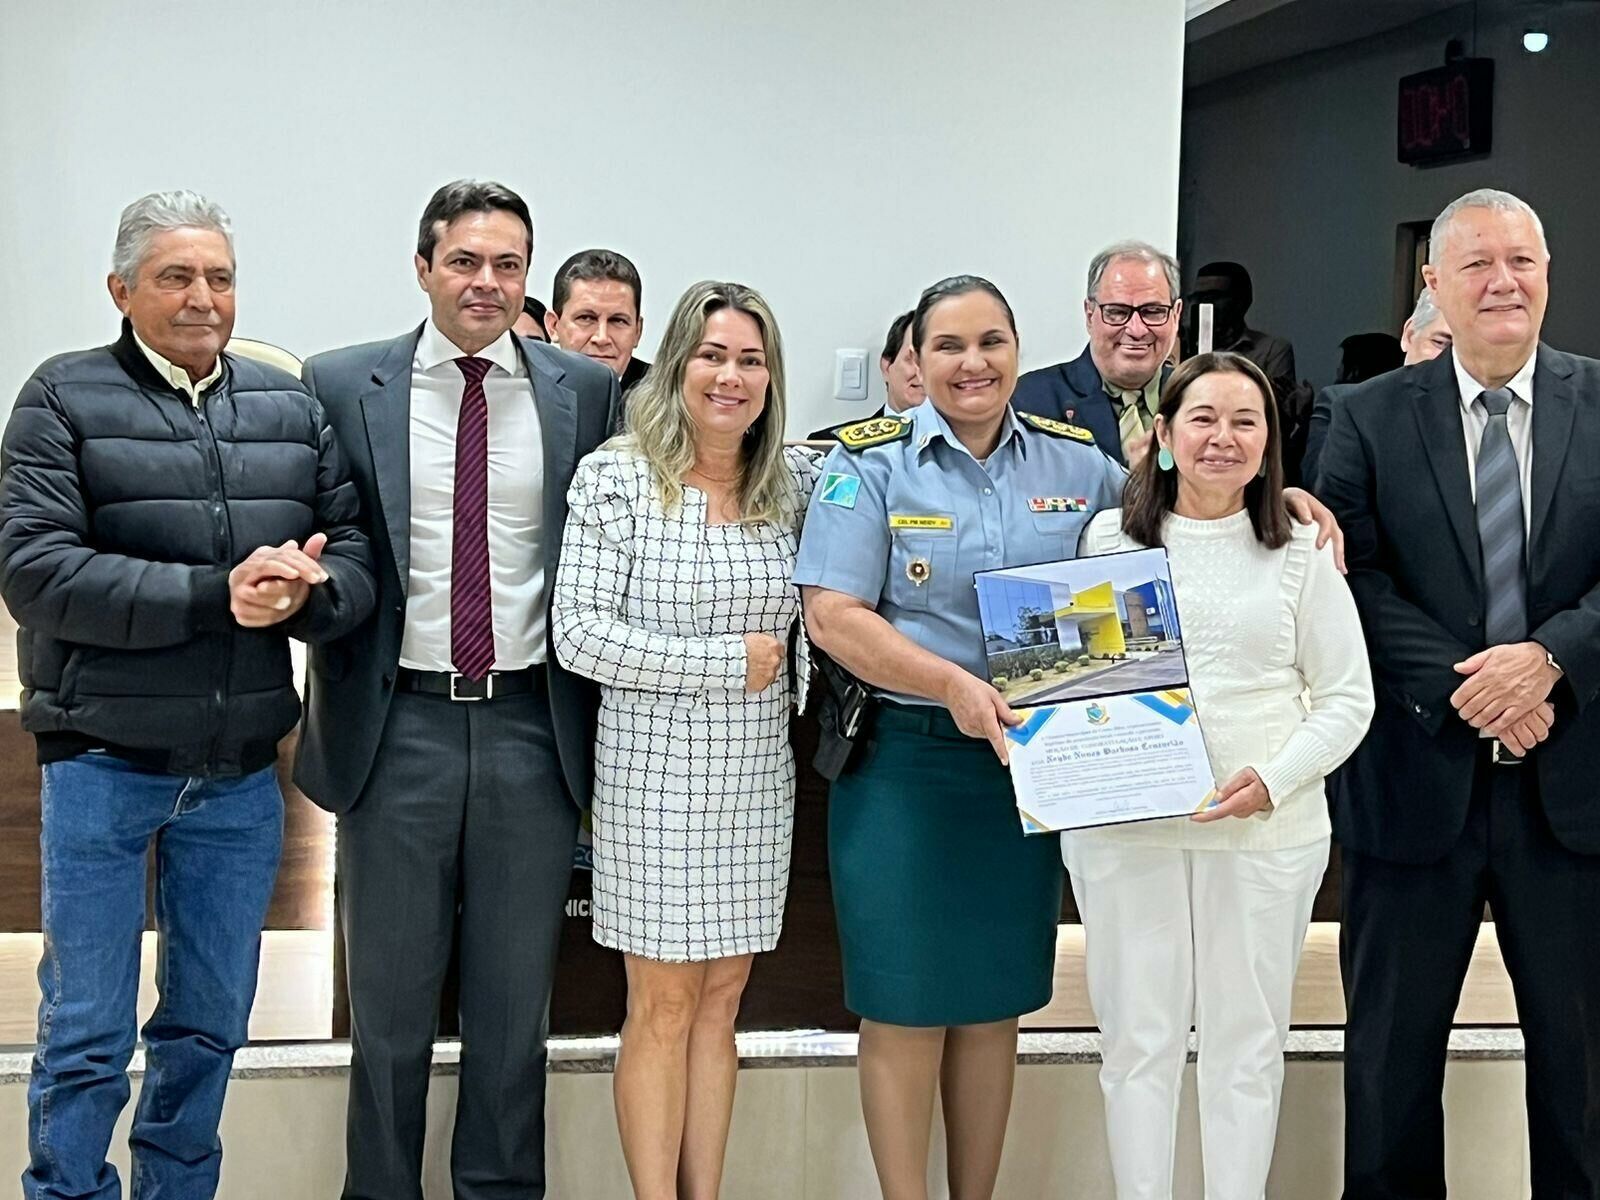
[177, 376]
[1519, 424]
[516, 505]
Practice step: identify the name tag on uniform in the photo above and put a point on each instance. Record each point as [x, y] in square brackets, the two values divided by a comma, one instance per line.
[1048, 504]
[910, 521]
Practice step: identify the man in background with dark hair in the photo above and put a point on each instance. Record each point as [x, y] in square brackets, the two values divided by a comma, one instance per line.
[902, 377]
[1227, 287]
[531, 323]
[443, 732]
[594, 311]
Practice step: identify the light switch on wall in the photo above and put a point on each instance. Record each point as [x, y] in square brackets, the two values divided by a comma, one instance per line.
[850, 375]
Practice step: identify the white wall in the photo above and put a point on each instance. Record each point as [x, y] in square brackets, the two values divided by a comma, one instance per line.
[837, 154]
[1292, 171]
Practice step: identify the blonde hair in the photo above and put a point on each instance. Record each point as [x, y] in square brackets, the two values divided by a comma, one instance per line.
[659, 428]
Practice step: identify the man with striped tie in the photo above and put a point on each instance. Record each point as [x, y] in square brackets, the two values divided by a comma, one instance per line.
[454, 748]
[1469, 491]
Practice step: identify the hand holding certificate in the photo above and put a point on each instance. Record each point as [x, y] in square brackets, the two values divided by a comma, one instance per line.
[1091, 651]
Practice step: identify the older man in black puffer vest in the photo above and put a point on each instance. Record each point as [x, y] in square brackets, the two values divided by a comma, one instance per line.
[169, 516]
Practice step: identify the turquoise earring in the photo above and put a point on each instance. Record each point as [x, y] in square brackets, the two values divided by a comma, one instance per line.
[1164, 460]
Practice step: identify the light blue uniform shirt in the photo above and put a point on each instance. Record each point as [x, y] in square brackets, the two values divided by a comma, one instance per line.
[923, 508]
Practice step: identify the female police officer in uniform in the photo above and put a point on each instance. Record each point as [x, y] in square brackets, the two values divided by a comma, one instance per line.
[947, 913]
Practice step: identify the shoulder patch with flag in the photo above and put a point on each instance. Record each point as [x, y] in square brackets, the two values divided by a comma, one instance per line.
[1056, 428]
[840, 489]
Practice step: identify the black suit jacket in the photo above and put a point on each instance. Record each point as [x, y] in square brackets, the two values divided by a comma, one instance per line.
[1075, 393]
[366, 391]
[1322, 408]
[1394, 471]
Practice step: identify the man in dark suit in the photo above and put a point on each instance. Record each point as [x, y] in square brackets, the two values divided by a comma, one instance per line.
[1469, 491]
[1113, 388]
[595, 305]
[453, 747]
[902, 377]
[1229, 290]
[1425, 336]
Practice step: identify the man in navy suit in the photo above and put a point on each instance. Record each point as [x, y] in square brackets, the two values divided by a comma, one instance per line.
[1112, 389]
[1469, 491]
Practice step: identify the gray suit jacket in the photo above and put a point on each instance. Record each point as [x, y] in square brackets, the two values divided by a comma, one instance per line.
[366, 392]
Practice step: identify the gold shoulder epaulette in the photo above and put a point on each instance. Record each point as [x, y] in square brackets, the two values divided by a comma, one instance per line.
[877, 431]
[1056, 428]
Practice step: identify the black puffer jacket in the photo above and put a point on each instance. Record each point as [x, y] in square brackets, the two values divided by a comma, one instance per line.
[123, 506]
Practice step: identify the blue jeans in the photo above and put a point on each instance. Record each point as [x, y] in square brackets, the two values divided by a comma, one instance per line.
[217, 844]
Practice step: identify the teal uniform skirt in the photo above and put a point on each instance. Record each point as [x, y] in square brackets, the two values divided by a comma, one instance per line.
[947, 913]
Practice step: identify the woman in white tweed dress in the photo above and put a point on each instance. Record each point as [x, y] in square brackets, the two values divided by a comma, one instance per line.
[674, 593]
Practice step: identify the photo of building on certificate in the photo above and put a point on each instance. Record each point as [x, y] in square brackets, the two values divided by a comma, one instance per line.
[1089, 652]
[1082, 628]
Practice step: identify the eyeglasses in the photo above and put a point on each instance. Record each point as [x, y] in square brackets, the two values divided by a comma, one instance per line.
[1153, 315]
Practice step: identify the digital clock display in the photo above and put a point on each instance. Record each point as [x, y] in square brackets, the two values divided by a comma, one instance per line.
[1447, 113]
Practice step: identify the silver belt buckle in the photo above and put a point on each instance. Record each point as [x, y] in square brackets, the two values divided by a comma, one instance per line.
[1501, 756]
[488, 687]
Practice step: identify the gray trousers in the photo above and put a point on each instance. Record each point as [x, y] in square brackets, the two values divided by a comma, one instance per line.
[465, 807]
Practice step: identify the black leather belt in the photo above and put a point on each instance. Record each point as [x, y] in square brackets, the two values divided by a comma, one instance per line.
[458, 687]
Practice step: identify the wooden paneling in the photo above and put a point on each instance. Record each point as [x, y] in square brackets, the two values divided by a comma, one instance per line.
[798, 985]
[301, 900]
[19, 828]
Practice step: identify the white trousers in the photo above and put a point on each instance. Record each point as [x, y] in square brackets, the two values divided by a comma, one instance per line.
[1211, 937]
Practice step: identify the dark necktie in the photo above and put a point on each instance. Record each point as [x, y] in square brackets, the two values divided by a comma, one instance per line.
[471, 604]
[1501, 534]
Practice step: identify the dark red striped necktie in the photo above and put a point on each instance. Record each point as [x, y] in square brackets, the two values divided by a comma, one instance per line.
[471, 602]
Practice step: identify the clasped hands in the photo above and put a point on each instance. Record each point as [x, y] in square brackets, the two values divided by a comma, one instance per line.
[1507, 694]
[274, 582]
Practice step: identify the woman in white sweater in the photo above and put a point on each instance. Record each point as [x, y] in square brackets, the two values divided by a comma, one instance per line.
[1201, 919]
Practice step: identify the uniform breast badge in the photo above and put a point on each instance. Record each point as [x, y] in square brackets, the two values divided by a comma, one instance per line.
[918, 570]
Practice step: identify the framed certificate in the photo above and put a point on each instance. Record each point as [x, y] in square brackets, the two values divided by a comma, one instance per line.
[1090, 652]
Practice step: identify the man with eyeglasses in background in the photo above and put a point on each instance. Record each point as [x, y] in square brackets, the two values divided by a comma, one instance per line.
[1113, 388]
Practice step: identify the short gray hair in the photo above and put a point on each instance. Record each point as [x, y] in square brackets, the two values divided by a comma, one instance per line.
[157, 213]
[1138, 251]
[1489, 198]
[1425, 313]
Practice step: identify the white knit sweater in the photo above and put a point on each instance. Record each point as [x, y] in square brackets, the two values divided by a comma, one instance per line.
[1278, 670]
